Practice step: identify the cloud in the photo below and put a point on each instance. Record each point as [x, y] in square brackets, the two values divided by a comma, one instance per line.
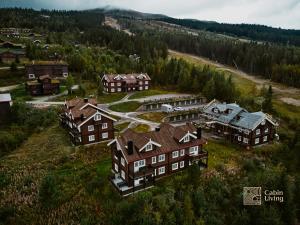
[280, 13]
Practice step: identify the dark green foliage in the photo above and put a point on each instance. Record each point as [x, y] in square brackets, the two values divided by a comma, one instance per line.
[251, 31]
[24, 121]
[48, 192]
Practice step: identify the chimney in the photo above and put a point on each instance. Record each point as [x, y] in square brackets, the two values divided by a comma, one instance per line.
[157, 129]
[199, 133]
[130, 147]
[86, 100]
[82, 117]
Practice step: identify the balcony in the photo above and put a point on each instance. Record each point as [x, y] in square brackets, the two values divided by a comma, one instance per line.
[142, 172]
[200, 155]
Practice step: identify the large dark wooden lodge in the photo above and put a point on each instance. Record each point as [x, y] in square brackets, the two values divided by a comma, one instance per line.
[138, 159]
[86, 123]
[44, 85]
[55, 69]
[125, 82]
[238, 125]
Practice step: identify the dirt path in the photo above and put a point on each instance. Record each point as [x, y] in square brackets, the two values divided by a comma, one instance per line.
[278, 88]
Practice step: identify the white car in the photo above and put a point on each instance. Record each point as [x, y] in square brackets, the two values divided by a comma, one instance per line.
[178, 109]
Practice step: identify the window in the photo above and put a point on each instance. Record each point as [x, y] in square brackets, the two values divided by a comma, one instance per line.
[181, 164]
[194, 150]
[119, 84]
[140, 163]
[174, 166]
[146, 87]
[119, 89]
[116, 157]
[112, 84]
[92, 138]
[258, 132]
[123, 174]
[141, 88]
[97, 117]
[122, 161]
[104, 125]
[266, 130]
[263, 122]
[31, 76]
[265, 138]
[116, 167]
[174, 154]
[182, 151]
[161, 158]
[186, 139]
[153, 159]
[161, 170]
[112, 90]
[239, 138]
[146, 82]
[245, 140]
[91, 128]
[256, 140]
[104, 135]
[247, 132]
[141, 82]
[148, 147]
[65, 74]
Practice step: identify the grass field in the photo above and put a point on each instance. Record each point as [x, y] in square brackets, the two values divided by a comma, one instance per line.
[153, 116]
[20, 94]
[151, 92]
[121, 126]
[108, 98]
[8, 77]
[141, 128]
[125, 106]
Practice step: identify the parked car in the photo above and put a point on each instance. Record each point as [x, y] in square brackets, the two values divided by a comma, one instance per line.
[178, 109]
[167, 108]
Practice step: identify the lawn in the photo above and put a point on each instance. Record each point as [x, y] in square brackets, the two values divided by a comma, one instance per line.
[125, 106]
[8, 77]
[141, 128]
[120, 127]
[153, 116]
[108, 98]
[286, 110]
[151, 92]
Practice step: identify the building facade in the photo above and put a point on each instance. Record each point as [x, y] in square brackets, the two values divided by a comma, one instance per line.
[138, 159]
[238, 125]
[44, 85]
[10, 52]
[5, 104]
[125, 82]
[86, 123]
[55, 69]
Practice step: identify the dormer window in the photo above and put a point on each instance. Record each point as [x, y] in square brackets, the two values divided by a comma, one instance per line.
[97, 117]
[263, 122]
[215, 110]
[186, 139]
[149, 148]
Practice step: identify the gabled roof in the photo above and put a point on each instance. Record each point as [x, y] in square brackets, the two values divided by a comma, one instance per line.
[5, 97]
[235, 115]
[166, 138]
[129, 78]
[79, 107]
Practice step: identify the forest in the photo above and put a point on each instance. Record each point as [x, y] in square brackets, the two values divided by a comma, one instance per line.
[249, 31]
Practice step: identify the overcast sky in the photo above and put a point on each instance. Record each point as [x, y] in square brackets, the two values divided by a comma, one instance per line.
[276, 13]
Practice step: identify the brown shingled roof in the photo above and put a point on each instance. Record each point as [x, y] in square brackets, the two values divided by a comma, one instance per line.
[168, 137]
[129, 78]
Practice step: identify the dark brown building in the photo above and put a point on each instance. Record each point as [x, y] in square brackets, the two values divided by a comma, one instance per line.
[55, 69]
[10, 52]
[125, 82]
[138, 159]
[5, 104]
[86, 123]
[238, 125]
[44, 85]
